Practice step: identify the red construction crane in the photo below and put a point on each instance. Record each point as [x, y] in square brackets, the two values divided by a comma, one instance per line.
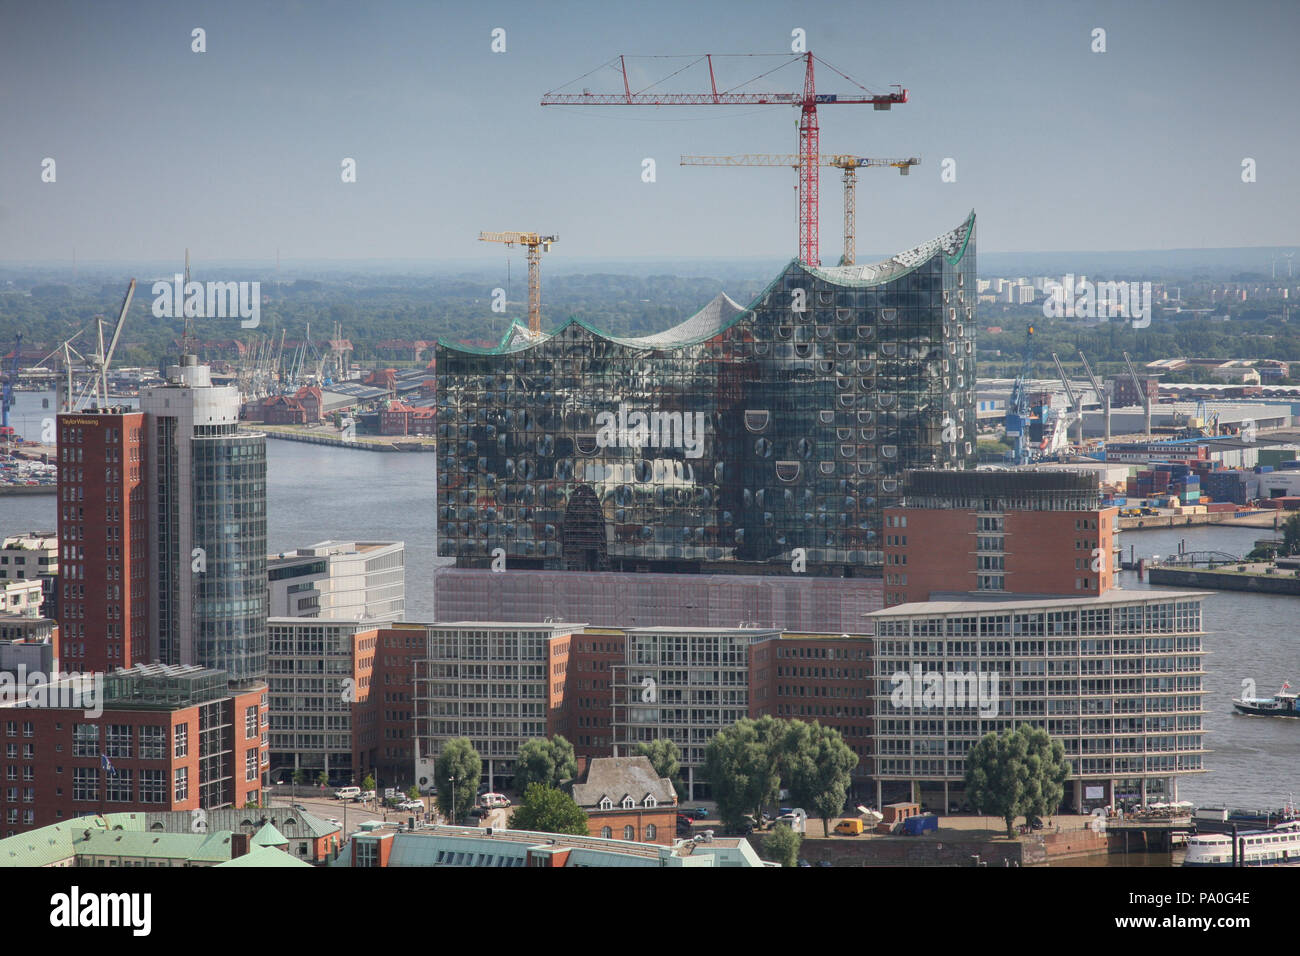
[807, 101]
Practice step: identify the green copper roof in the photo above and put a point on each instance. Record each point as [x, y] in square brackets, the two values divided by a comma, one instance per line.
[55, 843]
[270, 836]
[266, 856]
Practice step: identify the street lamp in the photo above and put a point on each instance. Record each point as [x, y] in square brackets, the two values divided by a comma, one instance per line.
[453, 801]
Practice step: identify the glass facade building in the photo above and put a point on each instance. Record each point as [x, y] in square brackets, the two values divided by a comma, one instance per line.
[1117, 679]
[727, 443]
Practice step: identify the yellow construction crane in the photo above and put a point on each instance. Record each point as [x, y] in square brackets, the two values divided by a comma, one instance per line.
[850, 165]
[535, 244]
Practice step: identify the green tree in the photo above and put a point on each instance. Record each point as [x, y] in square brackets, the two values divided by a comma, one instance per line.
[548, 762]
[299, 777]
[782, 845]
[1291, 535]
[1020, 773]
[369, 782]
[548, 810]
[460, 760]
[819, 764]
[667, 761]
[743, 764]
[413, 793]
[323, 779]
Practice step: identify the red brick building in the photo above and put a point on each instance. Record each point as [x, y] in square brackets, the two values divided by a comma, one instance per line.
[283, 410]
[103, 540]
[625, 799]
[402, 419]
[819, 678]
[1021, 532]
[593, 655]
[383, 722]
[157, 738]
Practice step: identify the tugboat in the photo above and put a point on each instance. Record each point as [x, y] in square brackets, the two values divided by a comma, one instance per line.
[1283, 704]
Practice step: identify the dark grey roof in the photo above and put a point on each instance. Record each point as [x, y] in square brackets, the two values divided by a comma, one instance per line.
[619, 777]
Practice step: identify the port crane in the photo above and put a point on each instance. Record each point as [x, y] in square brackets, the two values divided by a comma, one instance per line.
[1101, 393]
[849, 164]
[1141, 392]
[1017, 419]
[536, 244]
[807, 101]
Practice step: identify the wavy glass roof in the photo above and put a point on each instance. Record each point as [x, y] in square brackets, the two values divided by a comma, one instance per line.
[722, 311]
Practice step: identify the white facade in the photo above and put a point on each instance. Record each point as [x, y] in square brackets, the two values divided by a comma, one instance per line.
[340, 580]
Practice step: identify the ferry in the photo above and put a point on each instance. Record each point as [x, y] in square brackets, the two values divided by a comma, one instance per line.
[1222, 819]
[1282, 704]
[1277, 847]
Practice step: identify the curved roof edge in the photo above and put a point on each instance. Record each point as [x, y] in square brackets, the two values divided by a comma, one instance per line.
[953, 244]
[722, 312]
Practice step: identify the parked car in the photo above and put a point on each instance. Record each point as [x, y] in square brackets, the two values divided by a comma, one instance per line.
[849, 828]
[347, 793]
[493, 800]
[367, 796]
[699, 813]
[411, 805]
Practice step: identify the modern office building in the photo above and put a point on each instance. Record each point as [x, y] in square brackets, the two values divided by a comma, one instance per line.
[685, 685]
[497, 683]
[34, 555]
[319, 670]
[340, 580]
[1117, 678]
[765, 439]
[152, 737]
[105, 585]
[999, 532]
[384, 718]
[206, 484]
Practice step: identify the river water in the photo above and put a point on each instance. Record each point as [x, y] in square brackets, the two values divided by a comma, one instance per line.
[316, 492]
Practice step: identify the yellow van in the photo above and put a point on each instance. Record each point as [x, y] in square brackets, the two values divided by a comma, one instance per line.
[849, 828]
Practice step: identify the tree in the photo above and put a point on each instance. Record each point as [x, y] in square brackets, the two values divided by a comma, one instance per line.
[323, 779]
[782, 845]
[548, 810]
[369, 782]
[743, 764]
[413, 793]
[299, 777]
[666, 758]
[458, 759]
[1291, 535]
[548, 762]
[1020, 773]
[819, 764]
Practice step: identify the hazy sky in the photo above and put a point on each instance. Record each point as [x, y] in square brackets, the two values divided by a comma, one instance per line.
[236, 151]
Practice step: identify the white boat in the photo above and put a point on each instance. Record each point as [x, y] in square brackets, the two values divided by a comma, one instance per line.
[1279, 846]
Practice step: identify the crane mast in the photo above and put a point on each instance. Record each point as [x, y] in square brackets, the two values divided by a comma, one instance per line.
[809, 128]
[536, 244]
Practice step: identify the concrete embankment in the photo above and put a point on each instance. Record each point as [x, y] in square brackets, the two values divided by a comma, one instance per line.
[1282, 582]
[364, 443]
[1252, 519]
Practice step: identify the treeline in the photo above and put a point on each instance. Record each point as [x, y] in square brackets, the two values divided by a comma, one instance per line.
[368, 309]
